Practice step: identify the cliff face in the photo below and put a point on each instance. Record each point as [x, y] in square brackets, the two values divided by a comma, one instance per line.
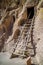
[8, 22]
[6, 3]
[14, 31]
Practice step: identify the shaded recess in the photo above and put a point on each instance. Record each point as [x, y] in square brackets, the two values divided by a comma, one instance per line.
[30, 12]
[17, 33]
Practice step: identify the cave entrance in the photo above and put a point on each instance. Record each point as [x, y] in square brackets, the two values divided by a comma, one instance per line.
[30, 12]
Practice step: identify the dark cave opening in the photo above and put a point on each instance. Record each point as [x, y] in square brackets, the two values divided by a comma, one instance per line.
[30, 12]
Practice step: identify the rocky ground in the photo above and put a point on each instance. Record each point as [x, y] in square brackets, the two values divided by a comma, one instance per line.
[38, 33]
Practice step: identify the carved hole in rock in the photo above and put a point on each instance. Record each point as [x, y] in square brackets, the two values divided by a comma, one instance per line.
[30, 12]
[8, 24]
[1, 31]
[4, 30]
[13, 17]
[0, 17]
[17, 33]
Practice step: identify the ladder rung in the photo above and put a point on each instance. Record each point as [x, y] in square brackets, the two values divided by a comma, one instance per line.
[27, 24]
